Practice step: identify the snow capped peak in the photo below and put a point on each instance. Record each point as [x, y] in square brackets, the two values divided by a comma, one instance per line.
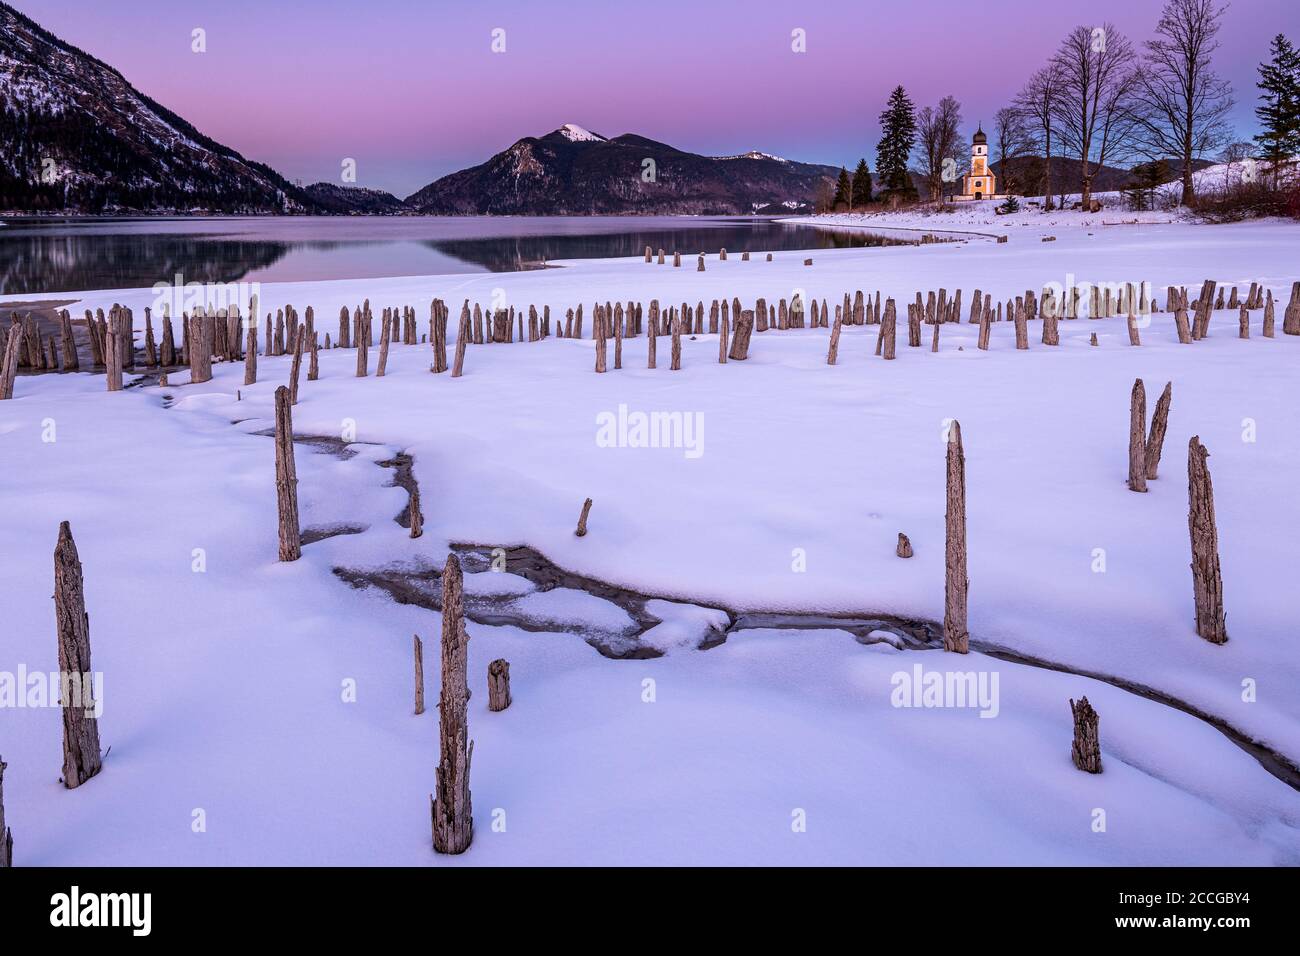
[576, 134]
[755, 154]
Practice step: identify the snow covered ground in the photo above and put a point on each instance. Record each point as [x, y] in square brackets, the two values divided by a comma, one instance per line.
[226, 689]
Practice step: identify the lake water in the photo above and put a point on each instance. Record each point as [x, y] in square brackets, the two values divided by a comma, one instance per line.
[67, 255]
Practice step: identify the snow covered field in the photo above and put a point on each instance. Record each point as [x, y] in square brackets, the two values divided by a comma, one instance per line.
[226, 689]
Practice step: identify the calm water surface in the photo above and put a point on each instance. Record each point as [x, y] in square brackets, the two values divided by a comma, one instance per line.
[66, 255]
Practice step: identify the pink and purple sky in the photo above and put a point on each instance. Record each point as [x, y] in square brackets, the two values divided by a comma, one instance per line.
[412, 90]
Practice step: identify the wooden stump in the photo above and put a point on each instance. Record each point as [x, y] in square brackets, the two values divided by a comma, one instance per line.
[113, 362]
[499, 684]
[1291, 318]
[582, 519]
[419, 674]
[250, 356]
[6, 835]
[1270, 322]
[1156, 438]
[955, 636]
[676, 364]
[740, 341]
[1243, 323]
[295, 370]
[904, 549]
[724, 334]
[700, 267]
[463, 335]
[313, 365]
[453, 818]
[832, 353]
[9, 365]
[71, 362]
[1085, 751]
[1184, 330]
[1207, 582]
[888, 331]
[81, 757]
[286, 478]
[385, 334]
[1022, 329]
[417, 515]
[1137, 427]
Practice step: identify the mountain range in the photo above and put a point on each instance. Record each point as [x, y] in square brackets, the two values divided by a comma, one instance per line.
[76, 137]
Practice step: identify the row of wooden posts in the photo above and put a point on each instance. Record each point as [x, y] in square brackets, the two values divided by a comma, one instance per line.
[225, 336]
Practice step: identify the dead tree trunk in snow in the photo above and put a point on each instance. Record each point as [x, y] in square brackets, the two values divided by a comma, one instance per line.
[286, 478]
[955, 635]
[889, 331]
[453, 818]
[499, 684]
[1137, 428]
[582, 519]
[1086, 749]
[295, 370]
[904, 548]
[1270, 323]
[1156, 439]
[740, 341]
[81, 757]
[6, 835]
[1291, 318]
[1207, 582]
[419, 675]
[250, 356]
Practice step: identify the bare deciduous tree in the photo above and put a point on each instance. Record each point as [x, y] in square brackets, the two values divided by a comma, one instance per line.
[1011, 140]
[1180, 103]
[1039, 103]
[938, 136]
[1095, 115]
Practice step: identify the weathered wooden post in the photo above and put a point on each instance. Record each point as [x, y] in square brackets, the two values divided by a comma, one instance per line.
[1184, 330]
[463, 334]
[313, 366]
[419, 675]
[499, 684]
[740, 341]
[286, 478]
[1207, 582]
[582, 519]
[1022, 329]
[416, 514]
[700, 267]
[676, 363]
[71, 362]
[250, 356]
[1201, 323]
[598, 324]
[1270, 321]
[955, 635]
[6, 834]
[1137, 427]
[81, 757]
[889, 331]
[834, 350]
[1085, 751]
[385, 334]
[113, 361]
[1243, 323]
[295, 370]
[9, 365]
[1156, 439]
[453, 817]
[904, 548]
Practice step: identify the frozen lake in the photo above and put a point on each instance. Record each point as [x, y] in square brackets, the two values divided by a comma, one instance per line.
[59, 255]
